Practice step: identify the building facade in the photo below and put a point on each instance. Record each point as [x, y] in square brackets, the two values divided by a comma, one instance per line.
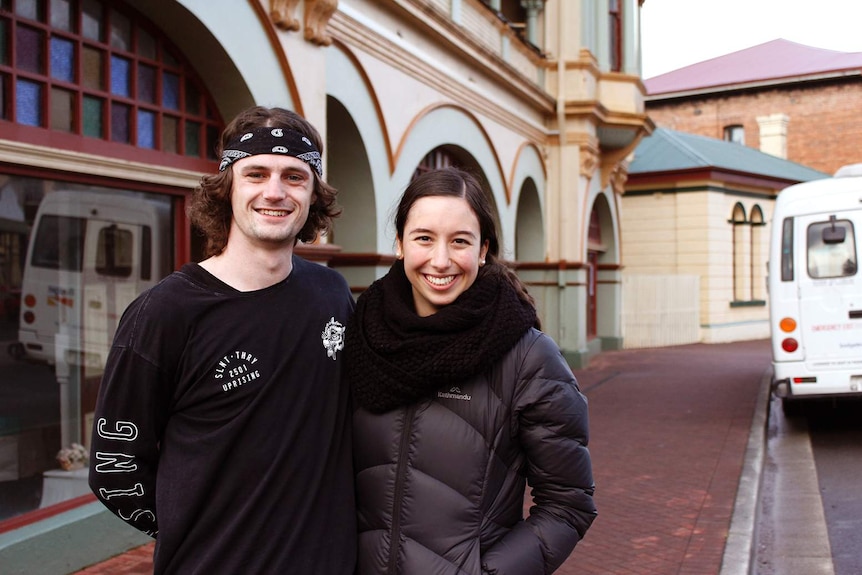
[696, 221]
[109, 111]
[786, 99]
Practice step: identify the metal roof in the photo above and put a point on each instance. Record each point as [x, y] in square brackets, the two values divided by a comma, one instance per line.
[668, 151]
[775, 62]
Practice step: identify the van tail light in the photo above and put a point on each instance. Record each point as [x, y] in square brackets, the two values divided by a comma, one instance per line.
[789, 345]
[30, 300]
[787, 324]
[29, 317]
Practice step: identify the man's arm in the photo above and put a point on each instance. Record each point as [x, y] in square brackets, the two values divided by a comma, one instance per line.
[125, 442]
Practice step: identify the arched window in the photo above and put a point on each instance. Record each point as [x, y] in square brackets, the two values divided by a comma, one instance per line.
[741, 254]
[94, 69]
[758, 249]
[436, 158]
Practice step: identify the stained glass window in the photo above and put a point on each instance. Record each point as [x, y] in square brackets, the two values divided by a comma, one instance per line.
[4, 31]
[93, 117]
[147, 83]
[62, 109]
[120, 131]
[121, 32]
[62, 59]
[61, 15]
[146, 129]
[171, 91]
[120, 76]
[91, 20]
[99, 69]
[29, 45]
[28, 101]
[29, 9]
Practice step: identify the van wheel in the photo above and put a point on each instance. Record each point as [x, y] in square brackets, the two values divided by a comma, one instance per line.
[793, 407]
[16, 350]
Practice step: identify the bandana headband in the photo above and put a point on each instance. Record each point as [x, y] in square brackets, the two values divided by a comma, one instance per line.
[271, 141]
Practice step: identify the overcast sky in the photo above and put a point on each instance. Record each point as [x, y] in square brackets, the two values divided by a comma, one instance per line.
[676, 33]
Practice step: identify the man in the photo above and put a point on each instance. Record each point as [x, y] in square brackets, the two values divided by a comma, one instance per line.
[221, 427]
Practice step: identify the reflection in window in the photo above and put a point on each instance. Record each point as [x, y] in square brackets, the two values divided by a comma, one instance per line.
[831, 249]
[59, 243]
[72, 258]
[114, 252]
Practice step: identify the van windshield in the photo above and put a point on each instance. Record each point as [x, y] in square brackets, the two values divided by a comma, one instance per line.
[831, 249]
[59, 243]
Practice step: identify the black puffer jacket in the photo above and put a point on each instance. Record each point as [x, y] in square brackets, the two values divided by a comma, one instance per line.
[460, 461]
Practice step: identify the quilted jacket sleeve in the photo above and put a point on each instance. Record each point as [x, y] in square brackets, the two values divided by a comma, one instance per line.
[552, 427]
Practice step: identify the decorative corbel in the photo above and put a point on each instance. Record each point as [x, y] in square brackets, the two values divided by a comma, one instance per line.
[589, 161]
[281, 12]
[317, 15]
[619, 177]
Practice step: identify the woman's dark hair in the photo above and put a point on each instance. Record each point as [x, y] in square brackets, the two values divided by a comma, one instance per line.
[210, 208]
[455, 182]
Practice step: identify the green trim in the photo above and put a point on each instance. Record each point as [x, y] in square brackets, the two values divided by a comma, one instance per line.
[67, 542]
[612, 343]
[748, 303]
[735, 324]
[726, 191]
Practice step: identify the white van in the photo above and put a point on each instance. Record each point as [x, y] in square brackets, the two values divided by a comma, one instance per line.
[815, 289]
[89, 255]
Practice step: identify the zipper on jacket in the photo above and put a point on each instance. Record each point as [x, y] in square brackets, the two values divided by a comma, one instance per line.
[403, 448]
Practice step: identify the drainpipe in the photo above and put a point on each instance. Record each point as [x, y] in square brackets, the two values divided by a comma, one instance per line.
[563, 134]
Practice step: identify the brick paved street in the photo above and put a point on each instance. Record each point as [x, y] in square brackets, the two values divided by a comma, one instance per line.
[669, 431]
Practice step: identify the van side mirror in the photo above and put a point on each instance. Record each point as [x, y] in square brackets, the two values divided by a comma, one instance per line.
[834, 234]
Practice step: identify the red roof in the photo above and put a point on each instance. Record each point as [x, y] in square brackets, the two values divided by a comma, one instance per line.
[768, 63]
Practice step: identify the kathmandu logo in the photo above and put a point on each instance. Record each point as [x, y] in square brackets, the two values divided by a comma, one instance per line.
[454, 393]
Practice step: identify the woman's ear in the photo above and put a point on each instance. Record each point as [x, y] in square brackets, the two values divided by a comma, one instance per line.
[483, 251]
[399, 249]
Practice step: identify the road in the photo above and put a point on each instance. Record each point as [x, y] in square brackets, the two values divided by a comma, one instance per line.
[810, 513]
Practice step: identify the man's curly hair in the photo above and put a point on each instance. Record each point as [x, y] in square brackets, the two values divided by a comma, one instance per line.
[210, 205]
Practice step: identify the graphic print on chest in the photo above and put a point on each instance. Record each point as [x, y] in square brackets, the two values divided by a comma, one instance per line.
[236, 369]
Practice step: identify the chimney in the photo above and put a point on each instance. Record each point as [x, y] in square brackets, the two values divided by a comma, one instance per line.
[773, 134]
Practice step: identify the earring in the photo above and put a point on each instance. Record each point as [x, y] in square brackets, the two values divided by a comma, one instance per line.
[482, 262]
[399, 255]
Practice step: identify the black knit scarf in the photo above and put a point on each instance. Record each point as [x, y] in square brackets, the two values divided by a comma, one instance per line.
[394, 357]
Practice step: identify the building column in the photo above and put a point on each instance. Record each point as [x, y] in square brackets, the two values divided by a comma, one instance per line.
[534, 8]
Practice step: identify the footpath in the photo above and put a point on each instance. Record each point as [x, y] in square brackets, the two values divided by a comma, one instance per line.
[676, 442]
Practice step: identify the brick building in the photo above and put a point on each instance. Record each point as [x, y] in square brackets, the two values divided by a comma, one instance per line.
[789, 100]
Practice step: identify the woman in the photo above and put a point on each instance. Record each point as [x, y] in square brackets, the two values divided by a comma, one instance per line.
[461, 399]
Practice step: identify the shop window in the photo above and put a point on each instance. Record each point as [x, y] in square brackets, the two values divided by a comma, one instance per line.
[72, 258]
[91, 68]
